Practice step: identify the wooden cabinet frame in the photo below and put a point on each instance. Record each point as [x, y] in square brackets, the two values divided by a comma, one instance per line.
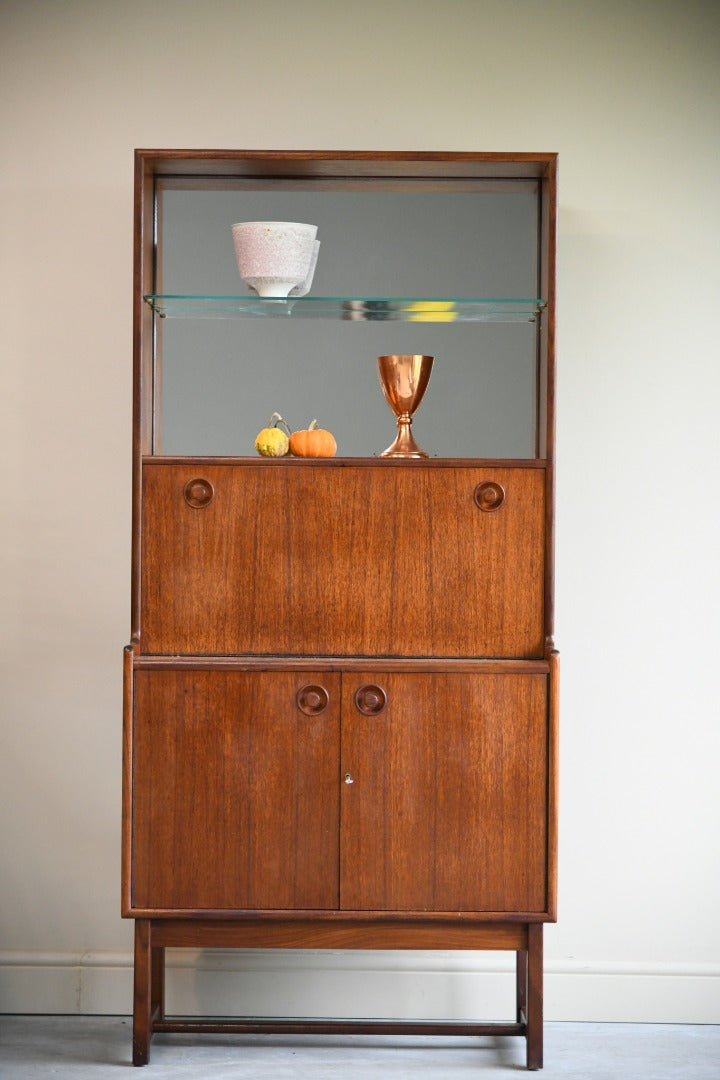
[168, 635]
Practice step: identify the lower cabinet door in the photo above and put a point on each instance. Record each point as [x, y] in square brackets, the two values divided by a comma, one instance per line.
[235, 790]
[445, 796]
[246, 797]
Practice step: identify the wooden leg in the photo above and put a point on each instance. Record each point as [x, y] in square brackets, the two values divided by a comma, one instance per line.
[157, 1002]
[521, 985]
[142, 1001]
[535, 996]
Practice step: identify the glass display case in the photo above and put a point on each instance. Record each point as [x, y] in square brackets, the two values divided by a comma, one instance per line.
[412, 266]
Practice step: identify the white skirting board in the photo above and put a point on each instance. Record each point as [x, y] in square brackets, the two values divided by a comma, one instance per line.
[406, 985]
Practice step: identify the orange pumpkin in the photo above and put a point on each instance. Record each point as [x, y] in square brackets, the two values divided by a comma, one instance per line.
[313, 442]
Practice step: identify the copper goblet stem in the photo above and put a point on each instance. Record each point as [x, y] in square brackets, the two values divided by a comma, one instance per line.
[404, 378]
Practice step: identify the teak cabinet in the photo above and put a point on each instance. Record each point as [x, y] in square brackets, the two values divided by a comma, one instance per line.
[340, 711]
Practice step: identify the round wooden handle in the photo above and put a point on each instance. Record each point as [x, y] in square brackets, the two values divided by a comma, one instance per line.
[312, 699]
[198, 493]
[489, 495]
[370, 700]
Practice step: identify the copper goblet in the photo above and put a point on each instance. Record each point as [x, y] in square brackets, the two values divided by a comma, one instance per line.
[404, 378]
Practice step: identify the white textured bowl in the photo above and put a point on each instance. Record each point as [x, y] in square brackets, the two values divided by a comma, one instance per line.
[274, 257]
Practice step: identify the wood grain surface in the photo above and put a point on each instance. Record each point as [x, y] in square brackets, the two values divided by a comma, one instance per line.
[338, 933]
[235, 792]
[353, 561]
[447, 808]
[240, 800]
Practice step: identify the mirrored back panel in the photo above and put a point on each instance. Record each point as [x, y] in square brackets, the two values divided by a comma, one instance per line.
[404, 266]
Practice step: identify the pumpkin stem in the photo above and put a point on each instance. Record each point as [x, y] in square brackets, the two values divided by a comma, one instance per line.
[312, 426]
[276, 419]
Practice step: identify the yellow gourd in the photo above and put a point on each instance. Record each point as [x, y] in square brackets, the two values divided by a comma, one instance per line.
[272, 440]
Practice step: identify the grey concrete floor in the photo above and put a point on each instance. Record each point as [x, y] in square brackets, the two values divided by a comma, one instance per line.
[97, 1047]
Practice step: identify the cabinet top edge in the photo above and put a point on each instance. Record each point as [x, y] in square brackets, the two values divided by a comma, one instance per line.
[320, 163]
[347, 463]
[380, 664]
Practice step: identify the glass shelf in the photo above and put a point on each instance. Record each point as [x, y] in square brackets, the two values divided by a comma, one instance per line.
[353, 309]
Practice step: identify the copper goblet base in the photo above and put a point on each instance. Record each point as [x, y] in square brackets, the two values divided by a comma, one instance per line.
[404, 445]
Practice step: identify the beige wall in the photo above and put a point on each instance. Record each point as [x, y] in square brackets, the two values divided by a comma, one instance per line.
[629, 94]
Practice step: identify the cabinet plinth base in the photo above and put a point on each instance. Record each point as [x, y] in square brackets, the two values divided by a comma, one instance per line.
[152, 936]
